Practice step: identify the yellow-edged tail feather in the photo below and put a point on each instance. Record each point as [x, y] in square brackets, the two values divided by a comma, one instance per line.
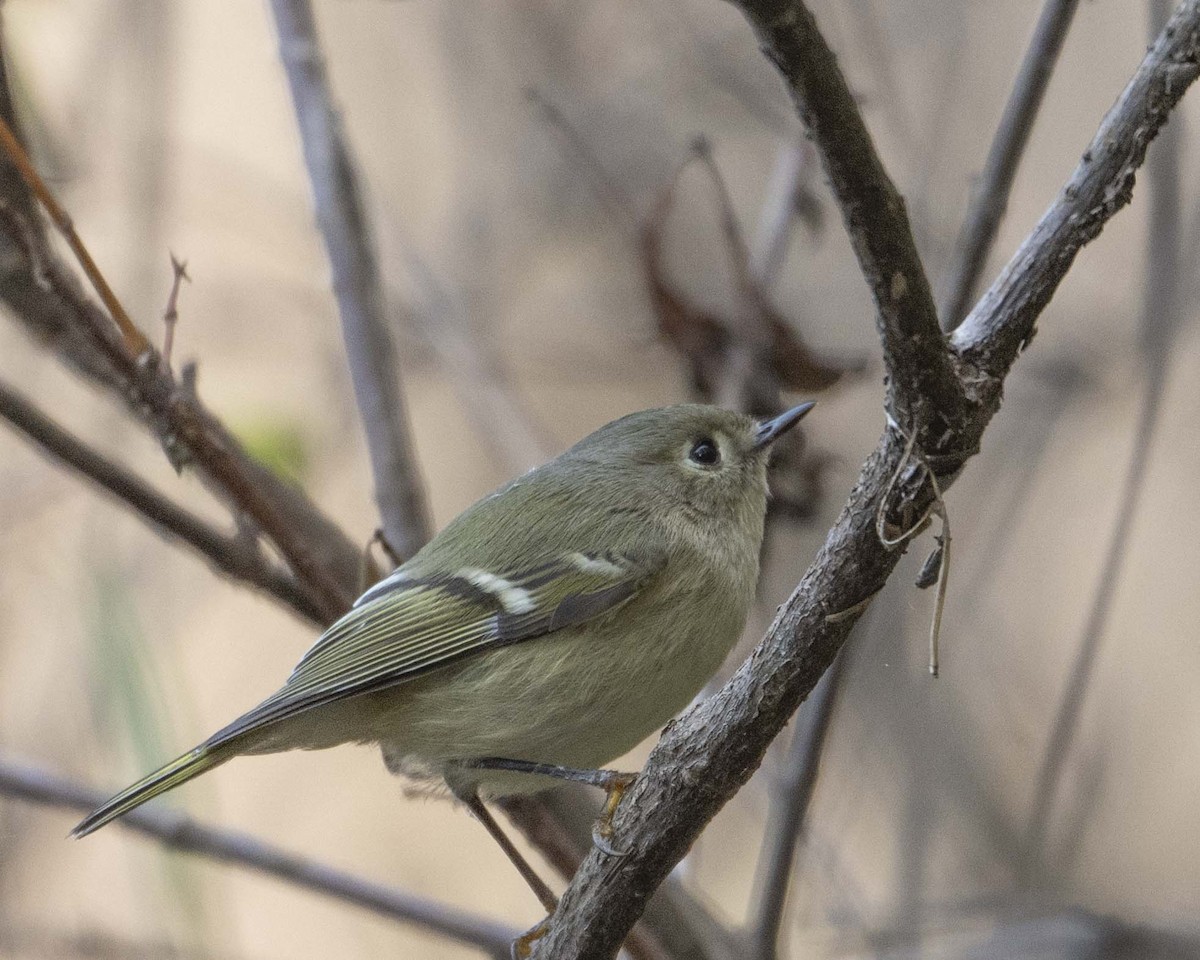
[180, 770]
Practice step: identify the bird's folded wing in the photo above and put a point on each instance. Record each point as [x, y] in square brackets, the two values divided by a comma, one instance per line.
[411, 623]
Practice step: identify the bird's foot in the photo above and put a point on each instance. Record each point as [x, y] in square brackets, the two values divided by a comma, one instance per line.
[602, 831]
[612, 782]
[522, 947]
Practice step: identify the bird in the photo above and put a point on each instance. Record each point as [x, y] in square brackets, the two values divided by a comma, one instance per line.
[549, 628]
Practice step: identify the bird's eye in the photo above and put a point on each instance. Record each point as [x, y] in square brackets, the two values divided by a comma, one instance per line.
[705, 452]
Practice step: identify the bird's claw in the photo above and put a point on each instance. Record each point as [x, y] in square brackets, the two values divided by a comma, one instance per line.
[522, 947]
[602, 832]
[602, 841]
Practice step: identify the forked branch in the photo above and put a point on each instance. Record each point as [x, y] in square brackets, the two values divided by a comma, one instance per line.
[708, 754]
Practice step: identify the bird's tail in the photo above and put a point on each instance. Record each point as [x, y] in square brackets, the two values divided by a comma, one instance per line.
[180, 770]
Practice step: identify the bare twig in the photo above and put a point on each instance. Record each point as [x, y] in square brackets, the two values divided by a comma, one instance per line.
[229, 554]
[706, 755]
[312, 546]
[135, 342]
[619, 204]
[785, 192]
[878, 56]
[370, 350]
[1004, 156]
[171, 313]
[1160, 314]
[791, 795]
[923, 390]
[181, 833]
[489, 399]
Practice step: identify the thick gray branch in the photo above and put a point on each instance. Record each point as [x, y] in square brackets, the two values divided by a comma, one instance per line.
[705, 756]
[922, 385]
[180, 833]
[1004, 320]
[370, 350]
[1004, 156]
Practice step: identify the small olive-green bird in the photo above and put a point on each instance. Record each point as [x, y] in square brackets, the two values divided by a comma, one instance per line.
[560, 620]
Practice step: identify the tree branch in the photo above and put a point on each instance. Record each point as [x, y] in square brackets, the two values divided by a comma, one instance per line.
[232, 555]
[706, 755]
[923, 389]
[135, 342]
[1004, 319]
[1004, 157]
[795, 783]
[181, 833]
[1162, 289]
[29, 271]
[370, 349]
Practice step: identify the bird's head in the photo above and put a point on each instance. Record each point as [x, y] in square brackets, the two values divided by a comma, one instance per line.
[700, 458]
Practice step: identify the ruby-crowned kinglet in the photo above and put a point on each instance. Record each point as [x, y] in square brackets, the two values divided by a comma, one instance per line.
[560, 620]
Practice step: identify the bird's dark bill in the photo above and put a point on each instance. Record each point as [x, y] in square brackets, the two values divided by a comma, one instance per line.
[771, 430]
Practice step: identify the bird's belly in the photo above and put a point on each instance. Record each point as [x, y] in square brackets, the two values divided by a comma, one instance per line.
[547, 700]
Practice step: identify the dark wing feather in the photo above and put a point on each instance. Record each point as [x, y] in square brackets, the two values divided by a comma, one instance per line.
[411, 623]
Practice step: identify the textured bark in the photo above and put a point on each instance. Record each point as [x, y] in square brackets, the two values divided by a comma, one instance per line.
[710, 752]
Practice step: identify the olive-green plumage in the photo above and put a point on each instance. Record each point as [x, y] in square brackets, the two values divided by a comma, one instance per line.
[561, 619]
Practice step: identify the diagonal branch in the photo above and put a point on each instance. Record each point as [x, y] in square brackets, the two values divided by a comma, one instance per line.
[795, 784]
[1162, 288]
[135, 342]
[233, 555]
[923, 389]
[370, 350]
[31, 274]
[710, 752]
[181, 833]
[1005, 318]
[1004, 156]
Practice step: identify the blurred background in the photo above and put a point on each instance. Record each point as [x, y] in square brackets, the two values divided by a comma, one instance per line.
[513, 152]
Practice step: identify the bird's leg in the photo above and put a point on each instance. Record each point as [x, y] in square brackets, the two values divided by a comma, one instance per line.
[612, 782]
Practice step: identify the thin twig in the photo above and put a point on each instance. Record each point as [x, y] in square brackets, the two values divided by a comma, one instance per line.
[229, 554]
[489, 399]
[791, 795]
[171, 313]
[708, 753]
[1163, 284]
[777, 215]
[187, 430]
[1003, 159]
[370, 349]
[178, 832]
[135, 342]
[619, 204]
[936, 507]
